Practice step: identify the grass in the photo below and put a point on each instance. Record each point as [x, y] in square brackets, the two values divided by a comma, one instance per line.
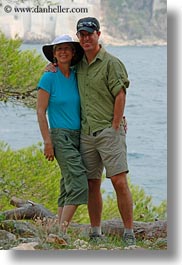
[79, 240]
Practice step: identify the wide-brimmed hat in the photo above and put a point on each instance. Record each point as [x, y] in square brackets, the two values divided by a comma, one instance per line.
[48, 48]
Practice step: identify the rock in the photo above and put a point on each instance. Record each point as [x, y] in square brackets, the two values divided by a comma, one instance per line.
[5, 235]
[81, 244]
[131, 247]
[160, 242]
[19, 228]
[26, 246]
[6, 239]
[56, 239]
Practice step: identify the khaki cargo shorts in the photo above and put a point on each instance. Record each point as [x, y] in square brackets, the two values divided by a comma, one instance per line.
[108, 149]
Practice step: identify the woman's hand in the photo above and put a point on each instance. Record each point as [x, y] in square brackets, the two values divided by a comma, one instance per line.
[48, 151]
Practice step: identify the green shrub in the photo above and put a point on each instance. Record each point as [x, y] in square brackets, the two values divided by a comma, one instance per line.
[28, 175]
[20, 71]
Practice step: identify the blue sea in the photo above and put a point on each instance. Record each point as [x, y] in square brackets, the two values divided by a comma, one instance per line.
[146, 112]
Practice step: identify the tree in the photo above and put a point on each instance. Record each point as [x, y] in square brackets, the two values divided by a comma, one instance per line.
[19, 71]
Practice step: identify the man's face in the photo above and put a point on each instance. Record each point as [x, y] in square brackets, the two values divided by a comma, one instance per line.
[88, 40]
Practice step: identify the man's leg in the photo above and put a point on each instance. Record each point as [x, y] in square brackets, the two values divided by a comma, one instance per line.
[95, 202]
[125, 206]
[124, 199]
[94, 167]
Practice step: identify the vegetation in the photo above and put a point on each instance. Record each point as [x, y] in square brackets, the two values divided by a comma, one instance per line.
[19, 72]
[27, 174]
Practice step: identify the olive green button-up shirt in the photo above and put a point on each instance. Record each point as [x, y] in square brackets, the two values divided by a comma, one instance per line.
[99, 83]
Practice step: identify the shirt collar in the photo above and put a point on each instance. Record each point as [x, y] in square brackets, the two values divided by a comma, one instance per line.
[99, 56]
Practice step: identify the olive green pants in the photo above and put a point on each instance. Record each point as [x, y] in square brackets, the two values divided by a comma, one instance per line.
[73, 183]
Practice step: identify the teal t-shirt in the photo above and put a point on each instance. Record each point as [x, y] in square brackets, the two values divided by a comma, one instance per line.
[64, 102]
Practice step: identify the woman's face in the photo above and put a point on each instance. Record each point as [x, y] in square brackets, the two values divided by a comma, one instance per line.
[64, 53]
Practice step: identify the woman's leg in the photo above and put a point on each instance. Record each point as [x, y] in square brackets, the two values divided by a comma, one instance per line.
[66, 216]
[60, 210]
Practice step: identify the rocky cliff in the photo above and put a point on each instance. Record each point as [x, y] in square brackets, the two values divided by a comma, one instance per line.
[142, 21]
[122, 21]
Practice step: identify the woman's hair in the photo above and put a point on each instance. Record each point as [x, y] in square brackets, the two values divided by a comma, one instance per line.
[56, 45]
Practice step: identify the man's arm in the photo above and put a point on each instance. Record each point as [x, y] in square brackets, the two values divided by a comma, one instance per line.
[119, 106]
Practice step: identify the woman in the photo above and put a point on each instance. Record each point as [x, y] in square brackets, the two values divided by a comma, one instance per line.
[58, 95]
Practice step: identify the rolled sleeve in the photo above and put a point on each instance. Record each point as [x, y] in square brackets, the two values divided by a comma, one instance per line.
[117, 77]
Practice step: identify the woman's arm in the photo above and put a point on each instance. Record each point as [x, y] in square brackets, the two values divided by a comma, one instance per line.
[42, 104]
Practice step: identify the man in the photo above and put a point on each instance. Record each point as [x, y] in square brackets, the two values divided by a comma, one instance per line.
[102, 82]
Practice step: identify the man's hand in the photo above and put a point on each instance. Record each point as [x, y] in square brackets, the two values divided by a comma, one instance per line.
[125, 124]
[116, 126]
[51, 68]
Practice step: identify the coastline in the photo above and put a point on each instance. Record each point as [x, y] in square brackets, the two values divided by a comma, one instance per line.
[108, 40]
[114, 42]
